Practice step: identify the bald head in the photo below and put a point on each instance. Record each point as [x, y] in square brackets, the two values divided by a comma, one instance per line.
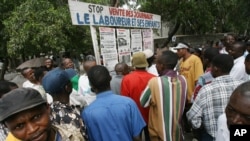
[121, 69]
[87, 65]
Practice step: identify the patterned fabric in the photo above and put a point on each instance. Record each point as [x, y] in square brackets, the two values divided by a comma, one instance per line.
[132, 86]
[211, 102]
[166, 96]
[67, 114]
[68, 132]
[3, 132]
[203, 80]
[66, 118]
[191, 69]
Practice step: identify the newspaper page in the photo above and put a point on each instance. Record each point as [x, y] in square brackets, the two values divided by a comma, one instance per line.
[123, 41]
[108, 47]
[110, 60]
[148, 42]
[136, 40]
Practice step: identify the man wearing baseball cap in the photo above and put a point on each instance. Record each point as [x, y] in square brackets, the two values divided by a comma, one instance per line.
[27, 116]
[190, 66]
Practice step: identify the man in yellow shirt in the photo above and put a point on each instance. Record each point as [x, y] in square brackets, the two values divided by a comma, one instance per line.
[191, 67]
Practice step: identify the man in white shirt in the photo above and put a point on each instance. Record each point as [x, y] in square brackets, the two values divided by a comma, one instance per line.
[236, 112]
[83, 83]
[237, 52]
[151, 62]
[31, 82]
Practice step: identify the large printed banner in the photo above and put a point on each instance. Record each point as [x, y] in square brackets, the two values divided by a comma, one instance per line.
[92, 14]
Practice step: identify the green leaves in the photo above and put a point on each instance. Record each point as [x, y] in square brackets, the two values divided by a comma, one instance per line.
[203, 16]
[42, 26]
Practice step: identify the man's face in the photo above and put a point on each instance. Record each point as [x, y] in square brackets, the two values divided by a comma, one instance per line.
[238, 110]
[230, 39]
[48, 63]
[181, 52]
[29, 74]
[235, 51]
[31, 125]
[68, 63]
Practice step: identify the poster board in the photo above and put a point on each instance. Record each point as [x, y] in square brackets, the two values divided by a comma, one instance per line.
[98, 15]
[132, 33]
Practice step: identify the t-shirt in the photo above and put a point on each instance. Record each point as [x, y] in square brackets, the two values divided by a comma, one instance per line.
[132, 86]
[191, 69]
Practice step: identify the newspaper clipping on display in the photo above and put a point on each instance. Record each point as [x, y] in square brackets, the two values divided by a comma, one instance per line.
[122, 32]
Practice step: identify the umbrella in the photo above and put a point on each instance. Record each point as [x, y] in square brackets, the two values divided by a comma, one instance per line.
[33, 63]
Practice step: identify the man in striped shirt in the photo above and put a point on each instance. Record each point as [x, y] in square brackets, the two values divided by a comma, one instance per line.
[166, 96]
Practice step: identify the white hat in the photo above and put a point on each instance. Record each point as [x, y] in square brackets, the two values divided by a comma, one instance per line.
[148, 52]
[180, 46]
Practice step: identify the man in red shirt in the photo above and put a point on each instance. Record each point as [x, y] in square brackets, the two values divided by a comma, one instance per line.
[134, 83]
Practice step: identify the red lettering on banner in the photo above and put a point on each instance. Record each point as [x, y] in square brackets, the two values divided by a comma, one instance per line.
[117, 12]
[143, 15]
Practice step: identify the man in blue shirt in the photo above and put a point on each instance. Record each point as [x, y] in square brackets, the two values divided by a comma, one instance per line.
[110, 117]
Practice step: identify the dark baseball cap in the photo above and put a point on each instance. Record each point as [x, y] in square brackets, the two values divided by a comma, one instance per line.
[18, 100]
[55, 80]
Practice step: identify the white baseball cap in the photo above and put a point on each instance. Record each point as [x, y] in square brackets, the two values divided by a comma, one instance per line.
[148, 52]
[180, 46]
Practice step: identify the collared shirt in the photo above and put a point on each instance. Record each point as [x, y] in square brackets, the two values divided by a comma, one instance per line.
[132, 86]
[3, 132]
[67, 132]
[85, 90]
[67, 114]
[222, 132]
[112, 117]
[152, 69]
[211, 102]
[166, 96]
[238, 71]
[39, 88]
[203, 80]
[77, 99]
[223, 51]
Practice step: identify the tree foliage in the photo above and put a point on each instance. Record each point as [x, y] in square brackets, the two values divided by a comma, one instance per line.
[202, 16]
[39, 26]
[30, 27]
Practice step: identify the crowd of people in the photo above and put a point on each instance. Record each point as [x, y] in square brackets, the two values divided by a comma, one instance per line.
[160, 97]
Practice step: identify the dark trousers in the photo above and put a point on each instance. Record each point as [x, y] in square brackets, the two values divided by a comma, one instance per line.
[185, 124]
[206, 137]
[146, 134]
